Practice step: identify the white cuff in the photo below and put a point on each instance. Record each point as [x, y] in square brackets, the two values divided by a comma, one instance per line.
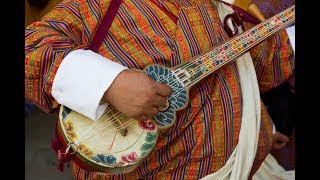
[81, 81]
[291, 33]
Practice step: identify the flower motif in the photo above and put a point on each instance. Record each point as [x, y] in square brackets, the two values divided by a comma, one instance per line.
[129, 158]
[109, 159]
[147, 125]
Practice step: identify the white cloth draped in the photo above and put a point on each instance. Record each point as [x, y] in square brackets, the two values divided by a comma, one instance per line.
[239, 164]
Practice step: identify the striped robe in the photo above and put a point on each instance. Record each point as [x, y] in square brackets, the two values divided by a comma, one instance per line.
[207, 130]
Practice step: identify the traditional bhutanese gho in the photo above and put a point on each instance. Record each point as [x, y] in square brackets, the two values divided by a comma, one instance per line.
[205, 133]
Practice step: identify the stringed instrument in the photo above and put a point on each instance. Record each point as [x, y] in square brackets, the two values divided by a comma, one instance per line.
[115, 143]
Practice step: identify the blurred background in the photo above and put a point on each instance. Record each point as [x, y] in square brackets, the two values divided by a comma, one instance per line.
[40, 159]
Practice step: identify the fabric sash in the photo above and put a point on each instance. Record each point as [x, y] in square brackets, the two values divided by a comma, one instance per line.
[243, 15]
[97, 40]
[240, 162]
[271, 169]
[105, 25]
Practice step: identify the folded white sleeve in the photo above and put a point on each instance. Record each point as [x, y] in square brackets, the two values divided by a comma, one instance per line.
[81, 81]
[291, 33]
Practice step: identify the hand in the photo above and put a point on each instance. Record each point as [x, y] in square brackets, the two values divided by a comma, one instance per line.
[136, 95]
[279, 140]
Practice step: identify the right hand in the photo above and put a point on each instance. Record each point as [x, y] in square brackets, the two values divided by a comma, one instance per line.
[136, 95]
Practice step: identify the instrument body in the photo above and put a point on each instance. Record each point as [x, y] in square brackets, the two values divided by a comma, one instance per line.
[114, 153]
[110, 152]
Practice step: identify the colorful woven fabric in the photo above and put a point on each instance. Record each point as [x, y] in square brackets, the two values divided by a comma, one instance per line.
[273, 58]
[206, 131]
[271, 7]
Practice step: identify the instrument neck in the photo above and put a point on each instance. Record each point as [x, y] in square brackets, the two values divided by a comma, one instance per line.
[189, 73]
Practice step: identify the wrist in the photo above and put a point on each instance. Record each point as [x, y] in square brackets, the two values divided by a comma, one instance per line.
[109, 94]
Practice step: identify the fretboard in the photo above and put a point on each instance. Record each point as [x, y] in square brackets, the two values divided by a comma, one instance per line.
[193, 71]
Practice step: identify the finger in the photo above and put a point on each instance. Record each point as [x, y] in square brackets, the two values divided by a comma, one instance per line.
[163, 90]
[281, 137]
[142, 118]
[279, 145]
[160, 101]
[153, 111]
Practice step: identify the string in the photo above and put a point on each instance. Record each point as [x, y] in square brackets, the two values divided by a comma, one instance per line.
[284, 24]
[218, 66]
[103, 124]
[93, 124]
[200, 68]
[215, 52]
[126, 124]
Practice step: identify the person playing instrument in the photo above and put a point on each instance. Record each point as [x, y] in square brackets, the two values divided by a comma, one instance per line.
[61, 69]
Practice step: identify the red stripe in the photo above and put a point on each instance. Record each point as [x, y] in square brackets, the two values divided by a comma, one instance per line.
[171, 16]
[105, 25]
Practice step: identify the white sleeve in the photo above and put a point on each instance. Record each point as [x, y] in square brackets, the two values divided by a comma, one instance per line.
[291, 33]
[81, 81]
